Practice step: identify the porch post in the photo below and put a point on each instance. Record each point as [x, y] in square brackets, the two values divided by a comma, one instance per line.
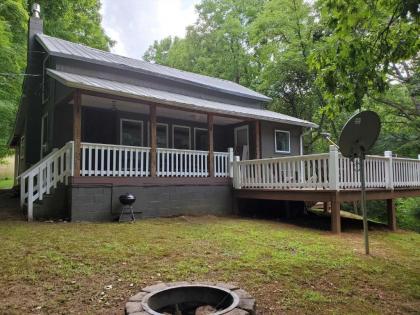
[257, 139]
[392, 219]
[153, 141]
[335, 215]
[210, 120]
[77, 130]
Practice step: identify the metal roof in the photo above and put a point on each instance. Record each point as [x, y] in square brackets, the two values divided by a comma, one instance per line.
[164, 97]
[62, 48]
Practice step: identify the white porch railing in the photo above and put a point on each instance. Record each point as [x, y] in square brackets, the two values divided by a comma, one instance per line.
[223, 163]
[114, 160]
[182, 163]
[326, 171]
[127, 161]
[38, 180]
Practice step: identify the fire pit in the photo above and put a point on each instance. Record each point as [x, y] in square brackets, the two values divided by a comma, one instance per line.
[185, 298]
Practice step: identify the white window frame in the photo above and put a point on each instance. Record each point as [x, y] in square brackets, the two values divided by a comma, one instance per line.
[44, 146]
[275, 140]
[235, 131]
[195, 136]
[135, 121]
[149, 134]
[189, 135]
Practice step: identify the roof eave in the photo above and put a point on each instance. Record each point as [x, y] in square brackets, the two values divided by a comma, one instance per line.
[74, 85]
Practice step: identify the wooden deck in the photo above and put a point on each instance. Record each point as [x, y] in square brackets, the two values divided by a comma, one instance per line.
[334, 198]
[329, 178]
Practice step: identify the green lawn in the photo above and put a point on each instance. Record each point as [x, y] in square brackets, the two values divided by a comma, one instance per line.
[61, 268]
[6, 183]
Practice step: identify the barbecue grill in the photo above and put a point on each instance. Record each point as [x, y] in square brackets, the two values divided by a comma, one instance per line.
[127, 200]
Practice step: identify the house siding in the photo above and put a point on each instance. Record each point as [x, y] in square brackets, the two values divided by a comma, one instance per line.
[267, 139]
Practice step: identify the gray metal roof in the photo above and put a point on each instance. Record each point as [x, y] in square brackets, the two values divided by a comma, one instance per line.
[62, 48]
[164, 97]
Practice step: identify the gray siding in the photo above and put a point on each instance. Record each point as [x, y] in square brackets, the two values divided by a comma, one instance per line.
[267, 139]
[103, 126]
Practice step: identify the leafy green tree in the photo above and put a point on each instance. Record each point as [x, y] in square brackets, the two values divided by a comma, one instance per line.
[283, 35]
[216, 45]
[74, 20]
[362, 39]
[13, 18]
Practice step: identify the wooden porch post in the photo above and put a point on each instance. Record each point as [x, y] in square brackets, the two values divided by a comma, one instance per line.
[210, 120]
[77, 130]
[392, 219]
[257, 139]
[153, 141]
[335, 215]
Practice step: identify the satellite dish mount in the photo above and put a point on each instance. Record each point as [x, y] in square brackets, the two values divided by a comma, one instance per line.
[358, 136]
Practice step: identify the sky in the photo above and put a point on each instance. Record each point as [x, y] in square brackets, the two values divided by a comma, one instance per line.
[136, 24]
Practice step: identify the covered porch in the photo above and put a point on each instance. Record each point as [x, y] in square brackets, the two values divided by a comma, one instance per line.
[117, 136]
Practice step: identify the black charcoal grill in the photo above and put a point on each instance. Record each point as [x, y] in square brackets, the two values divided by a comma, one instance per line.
[127, 200]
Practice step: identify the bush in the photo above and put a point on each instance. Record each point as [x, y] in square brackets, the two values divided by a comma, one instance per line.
[408, 213]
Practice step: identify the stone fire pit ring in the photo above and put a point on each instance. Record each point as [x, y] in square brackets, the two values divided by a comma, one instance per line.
[150, 300]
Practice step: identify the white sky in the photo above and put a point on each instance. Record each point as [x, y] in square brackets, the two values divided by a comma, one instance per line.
[136, 24]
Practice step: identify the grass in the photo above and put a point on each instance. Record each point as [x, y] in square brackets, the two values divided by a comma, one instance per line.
[6, 183]
[64, 268]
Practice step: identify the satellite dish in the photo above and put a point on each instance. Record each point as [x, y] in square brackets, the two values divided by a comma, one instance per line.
[359, 134]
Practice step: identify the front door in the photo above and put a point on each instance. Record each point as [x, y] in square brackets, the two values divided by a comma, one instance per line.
[242, 142]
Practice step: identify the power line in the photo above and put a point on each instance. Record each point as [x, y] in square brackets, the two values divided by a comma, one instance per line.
[9, 74]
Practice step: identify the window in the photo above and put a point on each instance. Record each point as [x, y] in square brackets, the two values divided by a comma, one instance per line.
[131, 132]
[282, 141]
[201, 139]
[162, 135]
[181, 137]
[44, 134]
[242, 142]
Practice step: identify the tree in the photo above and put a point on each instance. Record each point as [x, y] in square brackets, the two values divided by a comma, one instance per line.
[283, 35]
[13, 18]
[216, 45]
[362, 39]
[74, 20]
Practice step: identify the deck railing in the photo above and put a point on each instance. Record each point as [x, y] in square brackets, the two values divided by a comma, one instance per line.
[114, 160]
[182, 163]
[40, 178]
[128, 161]
[326, 171]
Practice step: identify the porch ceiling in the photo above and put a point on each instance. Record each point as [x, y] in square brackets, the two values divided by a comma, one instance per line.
[161, 112]
[171, 99]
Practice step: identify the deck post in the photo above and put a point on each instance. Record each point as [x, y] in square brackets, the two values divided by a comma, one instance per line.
[392, 218]
[333, 167]
[236, 174]
[153, 140]
[389, 176]
[77, 131]
[257, 139]
[231, 159]
[210, 160]
[335, 215]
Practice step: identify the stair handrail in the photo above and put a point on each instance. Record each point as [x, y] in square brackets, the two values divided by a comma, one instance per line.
[54, 168]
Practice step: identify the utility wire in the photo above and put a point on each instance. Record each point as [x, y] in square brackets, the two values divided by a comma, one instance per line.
[9, 74]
